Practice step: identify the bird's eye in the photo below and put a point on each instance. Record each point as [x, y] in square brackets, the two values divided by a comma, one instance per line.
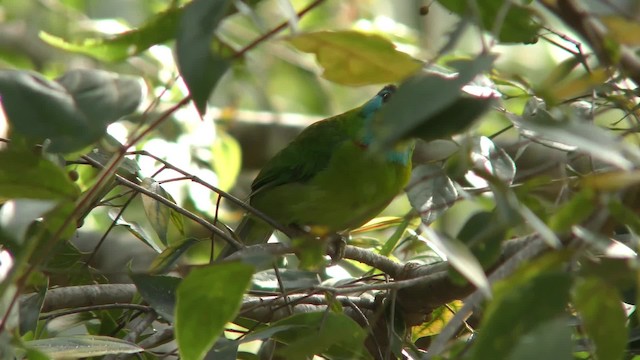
[386, 92]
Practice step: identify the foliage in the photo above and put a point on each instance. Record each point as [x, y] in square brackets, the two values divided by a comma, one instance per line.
[517, 239]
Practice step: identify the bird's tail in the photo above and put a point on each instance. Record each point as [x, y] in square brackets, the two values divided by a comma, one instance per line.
[250, 231]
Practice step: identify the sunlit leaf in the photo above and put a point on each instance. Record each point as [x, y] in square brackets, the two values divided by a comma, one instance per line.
[487, 158]
[355, 58]
[611, 180]
[137, 230]
[22, 176]
[461, 258]
[208, 298]
[83, 346]
[430, 192]
[623, 30]
[575, 87]
[226, 160]
[573, 212]
[159, 29]
[159, 214]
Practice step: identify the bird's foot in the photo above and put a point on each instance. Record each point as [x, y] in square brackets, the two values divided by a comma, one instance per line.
[337, 243]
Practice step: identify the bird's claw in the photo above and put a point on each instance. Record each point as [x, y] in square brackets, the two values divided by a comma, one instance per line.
[337, 244]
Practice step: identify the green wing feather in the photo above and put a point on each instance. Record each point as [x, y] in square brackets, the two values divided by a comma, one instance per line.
[309, 153]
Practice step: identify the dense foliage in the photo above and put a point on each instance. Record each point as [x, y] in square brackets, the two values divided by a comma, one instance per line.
[130, 135]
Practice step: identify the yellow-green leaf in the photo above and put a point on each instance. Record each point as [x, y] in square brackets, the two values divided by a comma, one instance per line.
[208, 298]
[624, 31]
[356, 58]
[227, 160]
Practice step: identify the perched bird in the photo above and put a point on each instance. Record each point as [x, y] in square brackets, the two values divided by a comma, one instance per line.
[327, 180]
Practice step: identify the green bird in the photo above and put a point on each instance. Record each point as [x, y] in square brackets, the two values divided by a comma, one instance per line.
[327, 181]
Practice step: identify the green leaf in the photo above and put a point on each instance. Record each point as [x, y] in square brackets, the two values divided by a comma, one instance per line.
[355, 58]
[461, 258]
[414, 110]
[622, 30]
[28, 176]
[549, 340]
[73, 111]
[159, 29]
[82, 346]
[604, 319]
[489, 159]
[483, 233]
[226, 160]
[208, 298]
[159, 292]
[137, 231]
[327, 333]
[30, 307]
[532, 296]
[169, 256]
[519, 24]
[573, 212]
[430, 191]
[200, 66]
[393, 240]
[158, 213]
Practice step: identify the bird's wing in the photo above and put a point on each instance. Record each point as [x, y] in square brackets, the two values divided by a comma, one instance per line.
[308, 154]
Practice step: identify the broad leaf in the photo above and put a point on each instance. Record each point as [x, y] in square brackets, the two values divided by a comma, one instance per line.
[159, 214]
[331, 334]
[519, 24]
[530, 298]
[430, 192]
[169, 256]
[159, 292]
[417, 107]
[489, 159]
[137, 230]
[22, 176]
[355, 58]
[73, 111]
[603, 316]
[549, 340]
[208, 298]
[200, 66]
